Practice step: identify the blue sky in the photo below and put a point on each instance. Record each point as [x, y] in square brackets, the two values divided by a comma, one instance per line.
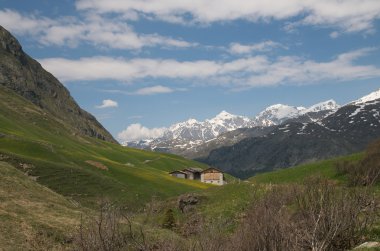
[159, 62]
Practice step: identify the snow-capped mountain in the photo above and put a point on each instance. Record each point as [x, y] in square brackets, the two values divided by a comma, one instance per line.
[192, 133]
[279, 113]
[372, 96]
[329, 105]
[193, 130]
[348, 129]
[276, 114]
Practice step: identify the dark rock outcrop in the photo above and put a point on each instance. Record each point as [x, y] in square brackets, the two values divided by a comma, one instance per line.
[187, 202]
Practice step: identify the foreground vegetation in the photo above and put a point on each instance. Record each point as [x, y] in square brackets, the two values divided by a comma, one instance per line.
[322, 212]
[33, 217]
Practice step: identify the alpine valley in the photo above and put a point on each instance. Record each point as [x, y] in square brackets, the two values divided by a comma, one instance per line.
[288, 178]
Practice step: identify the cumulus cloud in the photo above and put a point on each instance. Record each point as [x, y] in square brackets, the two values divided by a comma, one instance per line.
[240, 73]
[107, 103]
[347, 15]
[136, 132]
[237, 48]
[93, 29]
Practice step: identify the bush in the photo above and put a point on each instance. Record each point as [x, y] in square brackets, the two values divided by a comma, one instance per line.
[169, 220]
[266, 225]
[111, 230]
[328, 217]
[316, 216]
[365, 172]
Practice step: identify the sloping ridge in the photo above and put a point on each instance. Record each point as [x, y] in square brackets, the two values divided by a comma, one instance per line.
[24, 75]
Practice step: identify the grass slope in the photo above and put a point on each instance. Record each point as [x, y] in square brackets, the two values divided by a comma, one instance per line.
[69, 164]
[32, 216]
[298, 173]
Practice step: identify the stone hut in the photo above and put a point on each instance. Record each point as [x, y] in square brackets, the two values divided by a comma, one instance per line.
[193, 173]
[178, 174]
[212, 175]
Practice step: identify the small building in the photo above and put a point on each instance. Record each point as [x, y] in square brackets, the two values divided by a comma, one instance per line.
[178, 174]
[193, 173]
[212, 175]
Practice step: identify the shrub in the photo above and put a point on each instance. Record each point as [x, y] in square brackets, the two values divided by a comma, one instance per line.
[267, 224]
[316, 216]
[169, 220]
[365, 172]
[328, 217]
[111, 230]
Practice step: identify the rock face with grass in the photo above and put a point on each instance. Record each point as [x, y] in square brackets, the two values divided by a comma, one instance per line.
[25, 76]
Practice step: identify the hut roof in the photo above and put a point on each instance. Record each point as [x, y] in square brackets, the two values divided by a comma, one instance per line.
[212, 168]
[176, 171]
[193, 170]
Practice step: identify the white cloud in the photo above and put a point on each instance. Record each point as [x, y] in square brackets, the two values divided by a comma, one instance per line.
[347, 15]
[107, 103]
[96, 68]
[136, 132]
[94, 29]
[18, 23]
[237, 48]
[334, 34]
[151, 90]
[158, 89]
[240, 73]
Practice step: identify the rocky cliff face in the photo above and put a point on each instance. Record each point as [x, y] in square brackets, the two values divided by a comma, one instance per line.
[26, 77]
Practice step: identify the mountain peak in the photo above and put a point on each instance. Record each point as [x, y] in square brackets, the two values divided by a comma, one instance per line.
[279, 111]
[372, 96]
[322, 106]
[275, 106]
[225, 115]
[9, 43]
[191, 121]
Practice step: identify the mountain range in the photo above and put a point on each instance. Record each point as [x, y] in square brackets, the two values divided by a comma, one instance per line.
[347, 130]
[186, 137]
[280, 136]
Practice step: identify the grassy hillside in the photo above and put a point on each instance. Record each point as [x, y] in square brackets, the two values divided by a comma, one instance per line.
[32, 216]
[83, 168]
[299, 173]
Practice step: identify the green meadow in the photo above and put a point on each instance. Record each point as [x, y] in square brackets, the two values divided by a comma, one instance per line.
[298, 174]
